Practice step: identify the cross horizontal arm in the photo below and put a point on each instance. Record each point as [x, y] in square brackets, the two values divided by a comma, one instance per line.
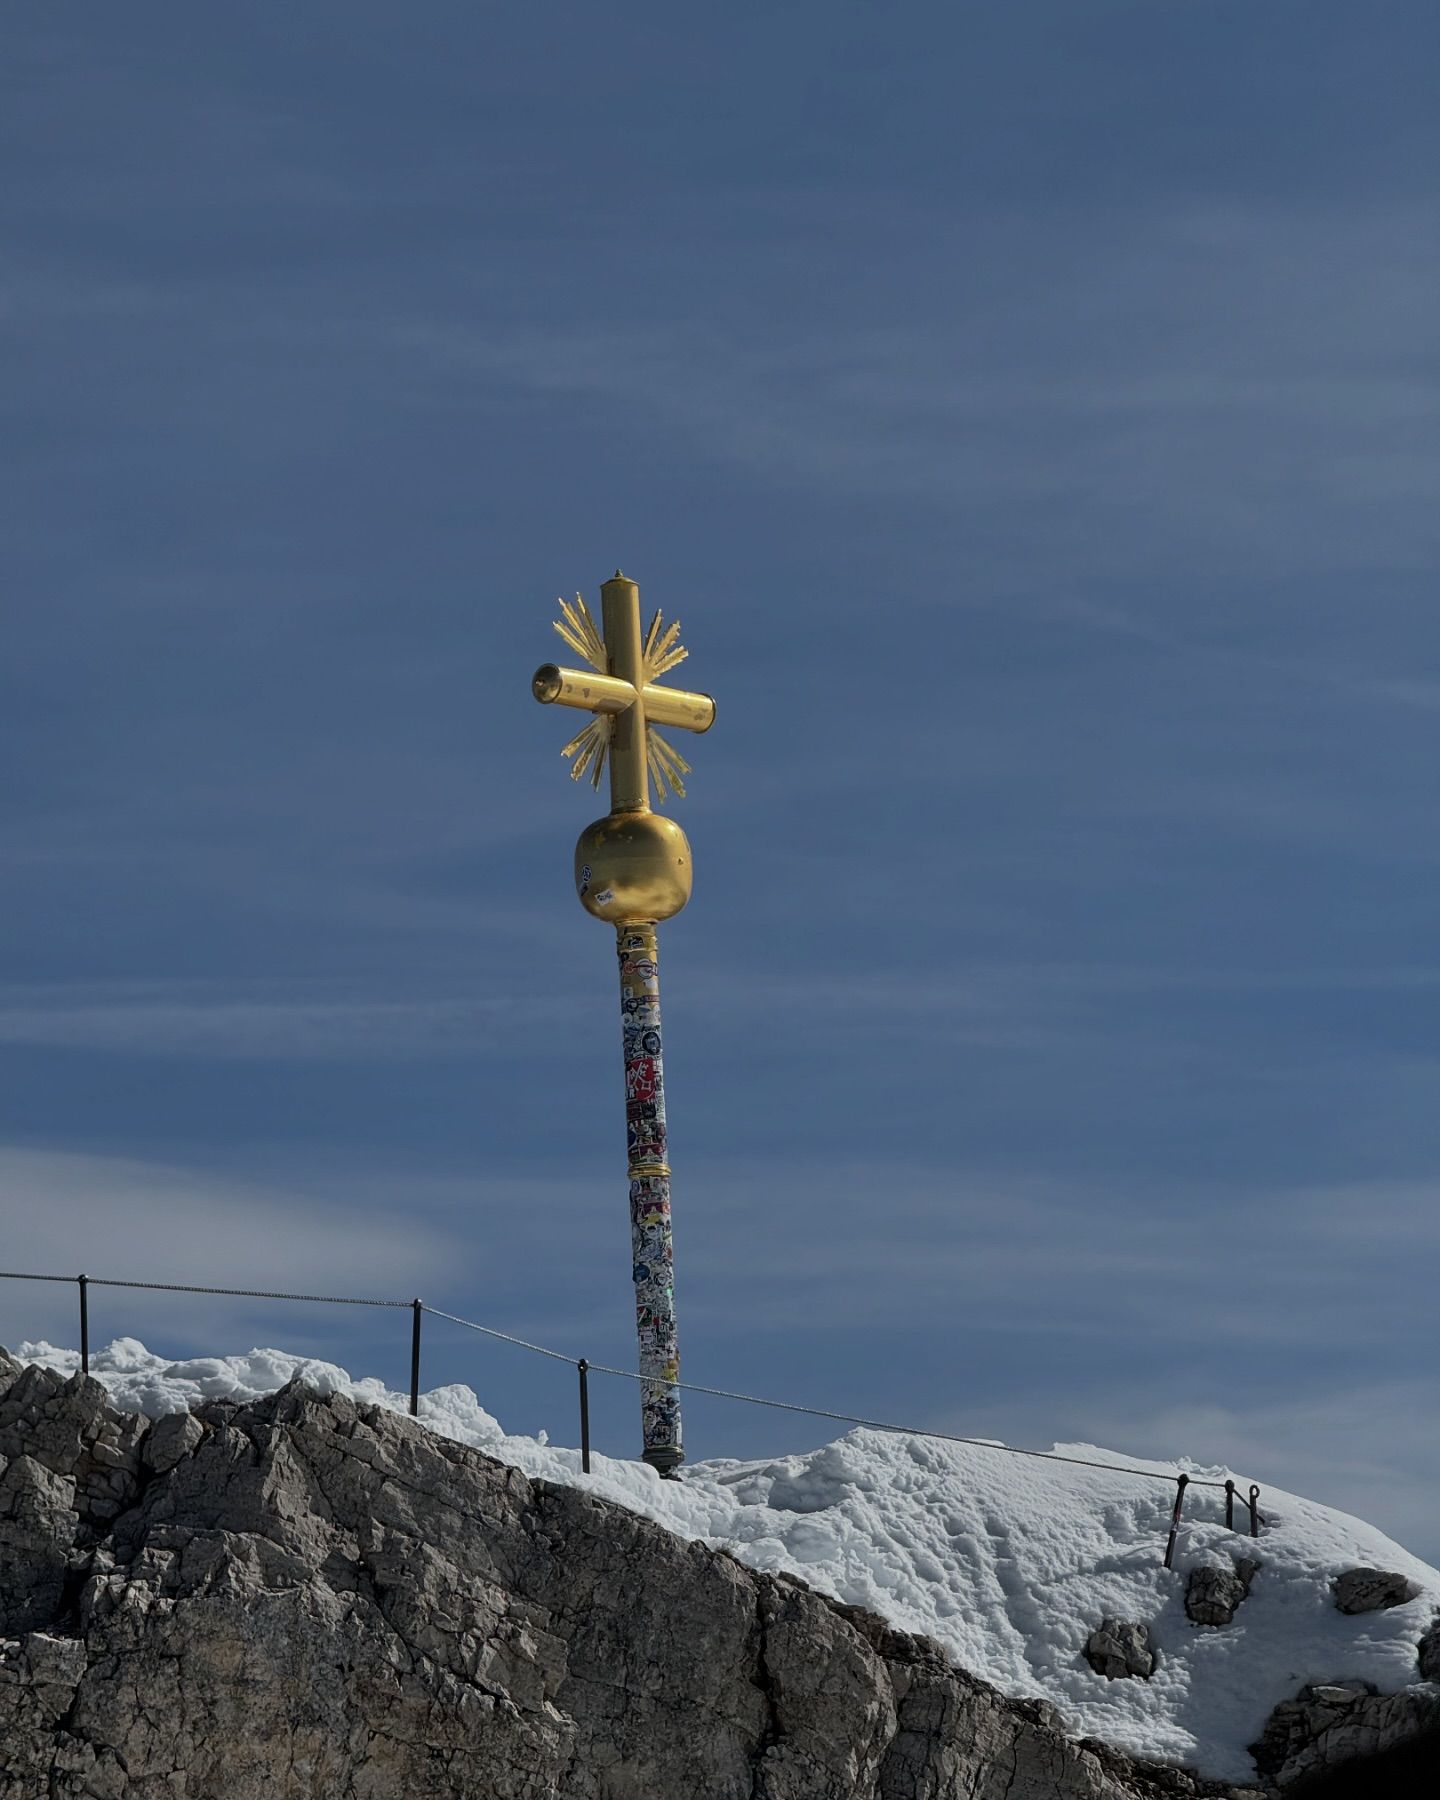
[589, 692]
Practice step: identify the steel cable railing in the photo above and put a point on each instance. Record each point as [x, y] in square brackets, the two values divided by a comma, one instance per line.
[418, 1308]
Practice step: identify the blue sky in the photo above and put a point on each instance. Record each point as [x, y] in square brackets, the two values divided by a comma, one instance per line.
[1030, 411]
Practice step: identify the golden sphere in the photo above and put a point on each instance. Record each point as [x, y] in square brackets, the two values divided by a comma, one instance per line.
[632, 867]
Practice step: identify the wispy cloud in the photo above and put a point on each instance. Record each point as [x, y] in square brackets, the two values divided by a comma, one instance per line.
[1149, 401]
[1154, 437]
[1048, 1006]
[304, 1021]
[147, 1221]
[1183, 1264]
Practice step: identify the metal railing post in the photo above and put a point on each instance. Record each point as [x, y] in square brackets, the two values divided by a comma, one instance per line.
[1229, 1505]
[416, 1309]
[584, 1369]
[1254, 1512]
[1182, 1482]
[84, 1281]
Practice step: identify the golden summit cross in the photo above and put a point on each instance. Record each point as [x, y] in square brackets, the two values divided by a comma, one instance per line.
[622, 688]
[633, 869]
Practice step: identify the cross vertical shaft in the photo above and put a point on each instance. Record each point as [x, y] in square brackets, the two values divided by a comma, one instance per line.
[620, 611]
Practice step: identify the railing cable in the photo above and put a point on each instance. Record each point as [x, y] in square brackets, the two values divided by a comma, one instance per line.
[418, 1307]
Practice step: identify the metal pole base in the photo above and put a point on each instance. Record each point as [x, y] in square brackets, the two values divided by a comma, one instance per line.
[667, 1460]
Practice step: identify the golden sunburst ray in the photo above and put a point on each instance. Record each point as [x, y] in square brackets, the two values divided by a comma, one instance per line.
[578, 631]
[590, 747]
[662, 651]
[667, 766]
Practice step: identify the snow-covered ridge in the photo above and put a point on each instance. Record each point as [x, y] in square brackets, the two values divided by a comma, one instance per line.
[1009, 1562]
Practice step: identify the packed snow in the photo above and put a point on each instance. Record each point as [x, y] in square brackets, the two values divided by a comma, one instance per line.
[1008, 1561]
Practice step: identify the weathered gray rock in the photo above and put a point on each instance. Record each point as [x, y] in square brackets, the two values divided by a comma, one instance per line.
[1214, 1590]
[1409, 1770]
[37, 1530]
[67, 1426]
[1121, 1647]
[1371, 1590]
[170, 1440]
[1329, 1725]
[321, 1600]
[1429, 1653]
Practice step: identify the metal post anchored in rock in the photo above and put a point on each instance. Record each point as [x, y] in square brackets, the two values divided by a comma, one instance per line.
[1181, 1483]
[632, 869]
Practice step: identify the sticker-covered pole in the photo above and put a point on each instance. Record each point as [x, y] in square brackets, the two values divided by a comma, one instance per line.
[651, 1242]
[632, 869]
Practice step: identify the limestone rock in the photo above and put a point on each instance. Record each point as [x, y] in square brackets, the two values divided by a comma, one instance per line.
[1120, 1647]
[1408, 1770]
[1214, 1591]
[1371, 1590]
[37, 1529]
[69, 1428]
[321, 1599]
[1331, 1724]
[1429, 1653]
[170, 1440]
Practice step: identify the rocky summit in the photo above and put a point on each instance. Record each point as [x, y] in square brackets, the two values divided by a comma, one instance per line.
[302, 1598]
